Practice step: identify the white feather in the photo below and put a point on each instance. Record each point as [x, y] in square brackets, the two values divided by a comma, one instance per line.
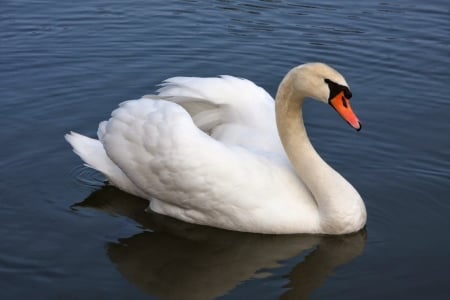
[207, 151]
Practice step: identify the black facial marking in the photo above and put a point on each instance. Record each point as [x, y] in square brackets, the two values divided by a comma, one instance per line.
[336, 89]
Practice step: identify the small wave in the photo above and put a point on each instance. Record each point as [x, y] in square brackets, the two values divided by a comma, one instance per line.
[86, 176]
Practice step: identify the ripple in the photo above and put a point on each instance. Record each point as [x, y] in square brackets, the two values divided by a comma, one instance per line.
[86, 176]
[65, 65]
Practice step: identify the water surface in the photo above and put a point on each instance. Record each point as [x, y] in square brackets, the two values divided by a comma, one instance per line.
[65, 65]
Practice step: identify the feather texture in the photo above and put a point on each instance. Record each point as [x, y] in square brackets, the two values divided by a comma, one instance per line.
[206, 151]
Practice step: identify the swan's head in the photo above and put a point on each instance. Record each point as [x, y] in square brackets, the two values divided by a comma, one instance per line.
[321, 82]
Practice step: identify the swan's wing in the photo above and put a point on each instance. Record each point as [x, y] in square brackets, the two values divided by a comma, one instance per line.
[226, 107]
[157, 145]
[240, 95]
[159, 148]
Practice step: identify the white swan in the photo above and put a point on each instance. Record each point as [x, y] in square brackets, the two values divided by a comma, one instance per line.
[207, 151]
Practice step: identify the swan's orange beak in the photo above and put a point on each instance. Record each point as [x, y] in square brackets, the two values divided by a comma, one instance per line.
[342, 105]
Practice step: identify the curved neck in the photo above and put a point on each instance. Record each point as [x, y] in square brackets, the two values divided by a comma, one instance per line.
[335, 197]
[308, 165]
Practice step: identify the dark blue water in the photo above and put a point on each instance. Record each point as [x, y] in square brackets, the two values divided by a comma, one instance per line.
[65, 65]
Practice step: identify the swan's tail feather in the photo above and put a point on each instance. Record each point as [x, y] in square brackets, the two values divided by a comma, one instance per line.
[93, 154]
[91, 151]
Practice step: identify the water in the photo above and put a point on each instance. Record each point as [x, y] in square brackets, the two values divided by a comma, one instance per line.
[65, 65]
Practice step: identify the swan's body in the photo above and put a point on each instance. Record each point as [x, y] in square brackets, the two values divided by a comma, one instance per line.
[207, 151]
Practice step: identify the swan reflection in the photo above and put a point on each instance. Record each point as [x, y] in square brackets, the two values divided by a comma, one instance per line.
[177, 260]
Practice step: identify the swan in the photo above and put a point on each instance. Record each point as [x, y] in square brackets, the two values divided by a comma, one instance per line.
[221, 152]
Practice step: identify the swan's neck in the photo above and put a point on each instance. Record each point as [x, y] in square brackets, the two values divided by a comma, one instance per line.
[340, 207]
